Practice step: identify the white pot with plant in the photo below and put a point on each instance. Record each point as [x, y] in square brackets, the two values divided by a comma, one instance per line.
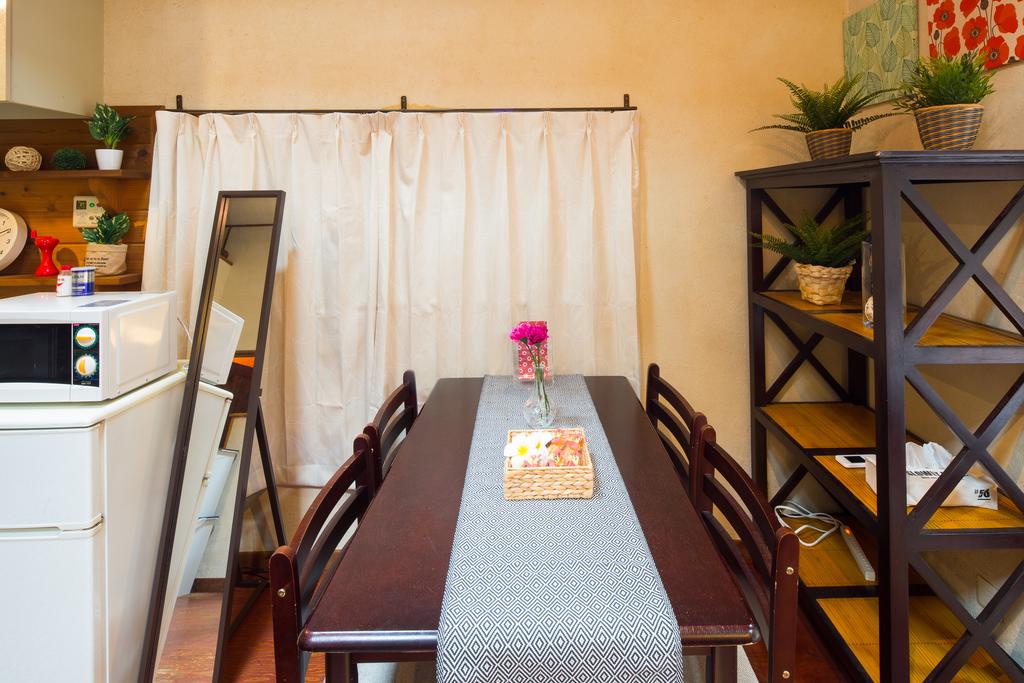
[825, 117]
[823, 256]
[103, 247]
[944, 94]
[109, 127]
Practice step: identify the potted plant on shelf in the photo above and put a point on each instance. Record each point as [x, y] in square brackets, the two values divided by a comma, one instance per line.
[103, 244]
[826, 116]
[945, 94]
[110, 128]
[823, 256]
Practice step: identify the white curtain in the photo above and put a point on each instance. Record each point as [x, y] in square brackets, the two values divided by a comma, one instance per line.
[410, 241]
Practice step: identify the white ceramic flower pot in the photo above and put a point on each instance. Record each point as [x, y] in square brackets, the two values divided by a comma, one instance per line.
[109, 159]
[108, 259]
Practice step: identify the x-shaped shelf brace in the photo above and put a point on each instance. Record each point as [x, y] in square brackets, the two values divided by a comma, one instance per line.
[804, 349]
[979, 631]
[971, 262]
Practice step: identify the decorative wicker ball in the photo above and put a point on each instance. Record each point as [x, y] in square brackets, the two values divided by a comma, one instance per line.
[23, 159]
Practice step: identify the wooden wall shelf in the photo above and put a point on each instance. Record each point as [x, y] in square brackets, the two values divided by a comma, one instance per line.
[85, 174]
[910, 625]
[45, 198]
[49, 283]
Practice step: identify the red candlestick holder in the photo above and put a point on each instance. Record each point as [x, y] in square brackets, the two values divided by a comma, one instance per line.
[45, 245]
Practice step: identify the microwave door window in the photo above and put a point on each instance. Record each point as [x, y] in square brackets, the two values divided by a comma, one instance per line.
[39, 354]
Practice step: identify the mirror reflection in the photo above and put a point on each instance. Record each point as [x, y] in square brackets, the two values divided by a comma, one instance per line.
[226, 526]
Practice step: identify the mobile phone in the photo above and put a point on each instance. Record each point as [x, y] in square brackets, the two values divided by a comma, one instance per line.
[851, 461]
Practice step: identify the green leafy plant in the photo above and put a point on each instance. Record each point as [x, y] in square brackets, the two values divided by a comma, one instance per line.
[109, 126]
[109, 229]
[68, 159]
[818, 245]
[946, 80]
[832, 107]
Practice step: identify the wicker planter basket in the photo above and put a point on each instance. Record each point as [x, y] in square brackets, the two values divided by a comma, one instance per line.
[550, 483]
[830, 143]
[820, 284]
[949, 126]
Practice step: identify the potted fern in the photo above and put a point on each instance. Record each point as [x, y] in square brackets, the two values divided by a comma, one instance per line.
[103, 247]
[823, 256]
[945, 94]
[825, 117]
[109, 127]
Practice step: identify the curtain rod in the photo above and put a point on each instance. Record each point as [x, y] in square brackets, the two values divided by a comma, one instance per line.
[404, 109]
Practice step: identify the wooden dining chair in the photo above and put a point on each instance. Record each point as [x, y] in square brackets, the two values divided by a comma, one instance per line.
[666, 407]
[763, 555]
[389, 424]
[300, 570]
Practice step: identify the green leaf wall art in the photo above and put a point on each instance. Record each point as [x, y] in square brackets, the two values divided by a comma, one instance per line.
[880, 42]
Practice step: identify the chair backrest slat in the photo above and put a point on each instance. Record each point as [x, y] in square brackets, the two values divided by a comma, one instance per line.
[760, 513]
[752, 585]
[669, 412]
[385, 428]
[767, 569]
[741, 524]
[300, 570]
[350, 510]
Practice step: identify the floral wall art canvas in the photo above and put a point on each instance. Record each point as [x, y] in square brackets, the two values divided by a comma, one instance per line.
[995, 28]
[880, 42]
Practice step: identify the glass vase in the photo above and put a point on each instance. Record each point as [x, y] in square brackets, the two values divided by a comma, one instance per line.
[867, 284]
[537, 410]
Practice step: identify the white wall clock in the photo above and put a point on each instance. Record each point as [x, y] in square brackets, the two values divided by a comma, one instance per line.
[13, 235]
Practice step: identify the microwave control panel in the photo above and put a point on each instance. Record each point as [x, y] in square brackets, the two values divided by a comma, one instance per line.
[85, 354]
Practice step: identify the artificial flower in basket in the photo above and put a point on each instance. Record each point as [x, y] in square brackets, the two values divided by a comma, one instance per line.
[103, 247]
[537, 411]
[823, 256]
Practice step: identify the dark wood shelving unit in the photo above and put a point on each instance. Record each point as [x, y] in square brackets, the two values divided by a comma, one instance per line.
[909, 624]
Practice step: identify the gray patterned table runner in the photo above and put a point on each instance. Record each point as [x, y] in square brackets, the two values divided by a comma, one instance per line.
[551, 590]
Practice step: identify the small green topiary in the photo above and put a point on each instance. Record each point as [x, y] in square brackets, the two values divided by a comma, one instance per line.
[68, 159]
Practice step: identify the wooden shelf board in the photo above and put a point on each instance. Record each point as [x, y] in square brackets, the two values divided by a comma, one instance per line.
[933, 632]
[946, 331]
[845, 427]
[51, 282]
[945, 518]
[830, 564]
[837, 426]
[85, 174]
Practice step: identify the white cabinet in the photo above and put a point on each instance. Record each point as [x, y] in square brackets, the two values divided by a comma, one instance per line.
[82, 493]
[52, 58]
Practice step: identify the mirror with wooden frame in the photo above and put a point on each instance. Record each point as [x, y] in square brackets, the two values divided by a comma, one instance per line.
[203, 584]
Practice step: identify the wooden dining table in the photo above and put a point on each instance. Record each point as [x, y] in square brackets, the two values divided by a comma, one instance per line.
[383, 602]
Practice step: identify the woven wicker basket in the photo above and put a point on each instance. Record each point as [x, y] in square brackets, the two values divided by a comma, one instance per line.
[830, 143]
[550, 483]
[22, 158]
[820, 284]
[949, 126]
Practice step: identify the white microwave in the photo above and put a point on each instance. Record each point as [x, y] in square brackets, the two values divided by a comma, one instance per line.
[84, 348]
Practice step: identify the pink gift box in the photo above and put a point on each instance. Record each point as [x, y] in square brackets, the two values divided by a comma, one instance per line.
[524, 362]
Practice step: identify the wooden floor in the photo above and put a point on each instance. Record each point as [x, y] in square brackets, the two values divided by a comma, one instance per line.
[188, 655]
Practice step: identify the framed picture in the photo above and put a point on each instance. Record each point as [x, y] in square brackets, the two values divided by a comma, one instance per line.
[995, 28]
[880, 42]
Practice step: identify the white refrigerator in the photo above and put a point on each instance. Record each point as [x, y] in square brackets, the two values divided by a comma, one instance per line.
[82, 492]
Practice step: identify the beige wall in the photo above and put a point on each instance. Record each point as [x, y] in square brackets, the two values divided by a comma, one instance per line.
[702, 75]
